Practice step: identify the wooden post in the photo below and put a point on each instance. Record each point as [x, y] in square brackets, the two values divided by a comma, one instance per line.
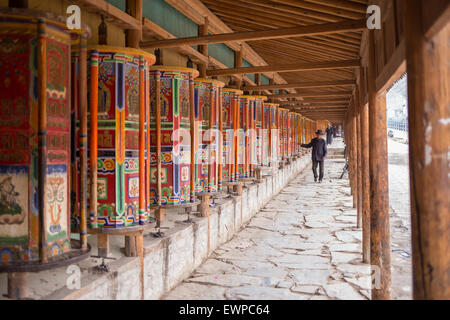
[380, 251]
[247, 140]
[238, 64]
[159, 54]
[102, 31]
[203, 48]
[220, 146]
[42, 136]
[159, 211]
[429, 136]
[93, 145]
[258, 83]
[103, 245]
[211, 120]
[354, 137]
[364, 119]
[142, 93]
[236, 103]
[18, 285]
[204, 205]
[359, 163]
[134, 9]
[193, 136]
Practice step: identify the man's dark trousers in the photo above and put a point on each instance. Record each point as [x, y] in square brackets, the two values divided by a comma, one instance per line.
[321, 169]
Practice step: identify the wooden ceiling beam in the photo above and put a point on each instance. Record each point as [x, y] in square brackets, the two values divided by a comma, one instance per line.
[287, 68]
[311, 94]
[303, 85]
[340, 4]
[329, 28]
[321, 8]
[112, 13]
[149, 28]
[216, 25]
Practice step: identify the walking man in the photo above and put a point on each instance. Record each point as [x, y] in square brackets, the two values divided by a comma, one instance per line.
[319, 152]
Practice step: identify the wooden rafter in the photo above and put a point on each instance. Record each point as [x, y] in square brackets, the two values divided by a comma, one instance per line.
[302, 31]
[287, 68]
[111, 13]
[303, 85]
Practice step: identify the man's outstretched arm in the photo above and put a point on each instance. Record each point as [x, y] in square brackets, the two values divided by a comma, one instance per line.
[309, 145]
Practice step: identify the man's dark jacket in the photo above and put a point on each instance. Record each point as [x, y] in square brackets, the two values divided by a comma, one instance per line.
[319, 148]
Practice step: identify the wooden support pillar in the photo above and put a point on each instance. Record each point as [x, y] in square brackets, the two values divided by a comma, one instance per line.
[204, 204]
[159, 57]
[429, 136]
[354, 137]
[258, 82]
[237, 189]
[18, 285]
[103, 245]
[364, 118]
[134, 9]
[93, 145]
[359, 162]
[380, 251]
[203, 48]
[238, 64]
[83, 140]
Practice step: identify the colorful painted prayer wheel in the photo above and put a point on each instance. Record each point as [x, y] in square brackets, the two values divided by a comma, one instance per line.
[35, 122]
[246, 149]
[207, 106]
[272, 132]
[172, 93]
[261, 134]
[230, 108]
[119, 141]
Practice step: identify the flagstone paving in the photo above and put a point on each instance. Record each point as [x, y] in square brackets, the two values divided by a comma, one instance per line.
[304, 245]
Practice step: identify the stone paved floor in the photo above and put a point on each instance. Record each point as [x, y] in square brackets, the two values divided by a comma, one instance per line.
[302, 245]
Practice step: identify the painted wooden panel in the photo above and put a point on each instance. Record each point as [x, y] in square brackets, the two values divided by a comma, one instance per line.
[19, 106]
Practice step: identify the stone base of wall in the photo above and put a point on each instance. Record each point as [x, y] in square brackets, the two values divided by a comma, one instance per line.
[169, 260]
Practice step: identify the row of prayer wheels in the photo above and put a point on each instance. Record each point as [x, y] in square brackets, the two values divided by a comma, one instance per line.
[92, 139]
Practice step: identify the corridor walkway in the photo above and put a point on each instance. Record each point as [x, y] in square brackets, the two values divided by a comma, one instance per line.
[303, 245]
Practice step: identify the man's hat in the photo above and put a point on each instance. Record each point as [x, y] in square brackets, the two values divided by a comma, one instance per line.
[319, 132]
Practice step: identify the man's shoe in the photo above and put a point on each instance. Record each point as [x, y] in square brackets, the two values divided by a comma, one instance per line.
[315, 179]
[320, 181]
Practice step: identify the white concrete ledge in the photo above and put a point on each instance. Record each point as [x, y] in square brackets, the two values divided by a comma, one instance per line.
[170, 260]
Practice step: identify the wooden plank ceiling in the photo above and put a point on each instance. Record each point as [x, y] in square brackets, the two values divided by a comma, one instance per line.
[253, 15]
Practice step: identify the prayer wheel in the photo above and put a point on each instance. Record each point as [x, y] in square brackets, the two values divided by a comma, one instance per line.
[272, 132]
[230, 108]
[246, 147]
[119, 109]
[207, 106]
[283, 131]
[260, 139]
[35, 131]
[171, 96]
